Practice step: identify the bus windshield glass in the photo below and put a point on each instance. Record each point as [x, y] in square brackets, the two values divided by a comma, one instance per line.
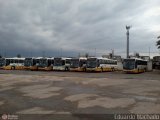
[57, 62]
[129, 64]
[28, 62]
[74, 63]
[2, 62]
[92, 63]
[43, 63]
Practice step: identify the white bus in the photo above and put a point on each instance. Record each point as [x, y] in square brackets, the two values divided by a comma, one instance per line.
[46, 64]
[31, 63]
[134, 65]
[61, 64]
[14, 63]
[78, 64]
[101, 64]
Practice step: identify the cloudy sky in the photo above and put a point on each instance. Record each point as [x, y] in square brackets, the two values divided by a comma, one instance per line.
[70, 27]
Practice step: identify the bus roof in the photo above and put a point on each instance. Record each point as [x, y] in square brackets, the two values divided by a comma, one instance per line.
[15, 58]
[134, 59]
[63, 58]
[102, 58]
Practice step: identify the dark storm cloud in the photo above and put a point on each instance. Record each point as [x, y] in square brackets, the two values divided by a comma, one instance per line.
[77, 26]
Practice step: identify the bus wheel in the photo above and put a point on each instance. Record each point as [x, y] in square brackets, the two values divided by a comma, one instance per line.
[101, 69]
[66, 69]
[12, 68]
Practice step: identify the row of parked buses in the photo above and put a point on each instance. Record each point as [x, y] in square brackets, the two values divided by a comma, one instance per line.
[98, 64]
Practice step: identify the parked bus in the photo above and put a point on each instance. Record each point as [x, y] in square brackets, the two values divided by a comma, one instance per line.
[14, 63]
[31, 63]
[134, 65]
[2, 63]
[46, 64]
[156, 62]
[101, 64]
[61, 64]
[78, 64]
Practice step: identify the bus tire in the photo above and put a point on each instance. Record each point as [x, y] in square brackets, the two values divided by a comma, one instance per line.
[66, 69]
[101, 69]
[13, 68]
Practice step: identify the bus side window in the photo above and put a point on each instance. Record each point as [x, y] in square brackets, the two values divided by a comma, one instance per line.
[63, 62]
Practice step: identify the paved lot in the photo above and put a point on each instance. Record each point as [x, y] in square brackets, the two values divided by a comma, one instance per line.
[66, 93]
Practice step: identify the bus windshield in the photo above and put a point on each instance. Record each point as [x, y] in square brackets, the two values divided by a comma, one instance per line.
[129, 64]
[57, 62]
[2, 62]
[91, 63]
[28, 62]
[74, 63]
[43, 63]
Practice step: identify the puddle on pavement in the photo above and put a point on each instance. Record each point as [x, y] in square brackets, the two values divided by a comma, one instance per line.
[79, 97]
[106, 102]
[40, 91]
[146, 108]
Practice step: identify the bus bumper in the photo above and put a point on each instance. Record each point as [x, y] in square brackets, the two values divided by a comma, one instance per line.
[134, 71]
[26, 68]
[45, 68]
[77, 69]
[33, 68]
[93, 69]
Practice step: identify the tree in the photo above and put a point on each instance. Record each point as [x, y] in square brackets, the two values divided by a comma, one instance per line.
[158, 42]
[19, 55]
[0, 56]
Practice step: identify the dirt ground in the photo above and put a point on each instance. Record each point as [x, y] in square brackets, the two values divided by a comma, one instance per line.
[33, 93]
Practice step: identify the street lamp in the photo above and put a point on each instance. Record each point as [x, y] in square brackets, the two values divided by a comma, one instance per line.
[127, 28]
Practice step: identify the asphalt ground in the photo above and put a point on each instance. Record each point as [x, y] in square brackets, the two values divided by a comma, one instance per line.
[77, 95]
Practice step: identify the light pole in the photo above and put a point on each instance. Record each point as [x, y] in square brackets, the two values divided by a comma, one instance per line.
[127, 28]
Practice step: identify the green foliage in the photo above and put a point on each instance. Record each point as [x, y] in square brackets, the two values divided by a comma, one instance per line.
[158, 44]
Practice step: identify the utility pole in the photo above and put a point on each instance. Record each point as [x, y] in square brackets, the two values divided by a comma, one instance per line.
[95, 52]
[149, 52]
[127, 28]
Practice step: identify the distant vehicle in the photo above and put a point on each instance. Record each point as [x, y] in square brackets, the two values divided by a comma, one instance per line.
[78, 64]
[134, 65]
[101, 64]
[61, 64]
[31, 63]
[2, 63]
[46, 64]
[156, 62]
[14, 63]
